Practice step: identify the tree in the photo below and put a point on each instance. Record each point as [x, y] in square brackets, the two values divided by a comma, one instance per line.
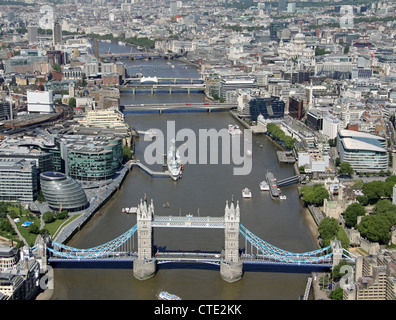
[375, 228]
[351, 213]
[33, 228]
[384, 206]
[72, 102]
[56, 67]
[49, 217]
[126, 153]
[314, 195]
[373, 190]
[337, 294]
[345, 169]
[328, 230]
[363, 200]
[62, 215]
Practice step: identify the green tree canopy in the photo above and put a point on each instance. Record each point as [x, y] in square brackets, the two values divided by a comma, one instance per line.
[314, 195]
[374, 190]
[72, 102]
[352, 212]
[49, 217]
[345, 169]
[328, 230]
[278, 133]
[375, 228]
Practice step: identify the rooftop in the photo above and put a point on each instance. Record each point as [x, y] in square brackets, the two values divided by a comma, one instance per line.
[354, 144]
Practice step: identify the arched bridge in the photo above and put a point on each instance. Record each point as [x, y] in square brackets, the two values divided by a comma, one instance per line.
[231, 259]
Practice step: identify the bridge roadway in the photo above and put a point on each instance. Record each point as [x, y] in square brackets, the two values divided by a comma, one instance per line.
[162, 257]
[157, 80]
[136, 55]
[205, 106]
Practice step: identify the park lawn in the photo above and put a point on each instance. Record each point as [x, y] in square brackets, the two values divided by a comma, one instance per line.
[29, 237]
[53, 227]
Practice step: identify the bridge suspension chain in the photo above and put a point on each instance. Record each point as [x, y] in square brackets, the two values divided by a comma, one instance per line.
[94, 252]
[282, 255]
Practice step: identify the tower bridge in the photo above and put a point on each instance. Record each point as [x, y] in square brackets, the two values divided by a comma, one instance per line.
[135, 247]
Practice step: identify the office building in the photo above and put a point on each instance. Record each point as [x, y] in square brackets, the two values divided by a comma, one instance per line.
[269, 108]
[19, 274]
[27, 152]
[18, 180]
[374, 278]
[315, 120]
[275, 28]
[330, 126]
[291, 7]
[233, 84]
[40, 101]
[89, 158]
[296, 108]
[365, 152]
[62, 192]
[5, 113]
[9, 256]
[32, 34]
[282, 4]
[57, 34]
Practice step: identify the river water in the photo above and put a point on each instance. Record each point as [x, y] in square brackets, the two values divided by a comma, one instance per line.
[203, 190]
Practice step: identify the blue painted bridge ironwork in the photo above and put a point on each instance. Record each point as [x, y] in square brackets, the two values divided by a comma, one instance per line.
[122, 250]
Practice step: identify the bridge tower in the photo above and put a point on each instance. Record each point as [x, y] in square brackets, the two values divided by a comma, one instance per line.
[231, 266]
[144, 266]
[337, 249]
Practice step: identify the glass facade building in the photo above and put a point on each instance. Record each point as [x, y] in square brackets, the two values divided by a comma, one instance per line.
[270, 108]
[365, 152]
[62, 192]
[18, 180]
[98, 160]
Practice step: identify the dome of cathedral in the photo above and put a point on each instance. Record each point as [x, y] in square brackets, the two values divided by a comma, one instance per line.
[299, 36]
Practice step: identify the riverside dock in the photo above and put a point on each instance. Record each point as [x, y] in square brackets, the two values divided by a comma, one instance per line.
[273, 185]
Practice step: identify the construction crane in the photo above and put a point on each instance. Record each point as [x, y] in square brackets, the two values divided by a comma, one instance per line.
[40, 81]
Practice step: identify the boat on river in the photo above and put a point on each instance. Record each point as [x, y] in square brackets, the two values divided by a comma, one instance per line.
[246, 193]
[234, 130]
[264, 186]
[174, 163]
[168, 296]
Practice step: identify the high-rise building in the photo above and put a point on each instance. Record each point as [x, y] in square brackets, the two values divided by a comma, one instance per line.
[173, 8]
[282, 4]
[296, 108]
[96, 48]
[57, 34]
[275, 28]
[32, 34]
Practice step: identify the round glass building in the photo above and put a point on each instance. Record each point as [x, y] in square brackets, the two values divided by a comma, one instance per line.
[62, 192]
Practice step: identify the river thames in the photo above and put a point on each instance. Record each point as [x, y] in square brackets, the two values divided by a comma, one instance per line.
[203, 190]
